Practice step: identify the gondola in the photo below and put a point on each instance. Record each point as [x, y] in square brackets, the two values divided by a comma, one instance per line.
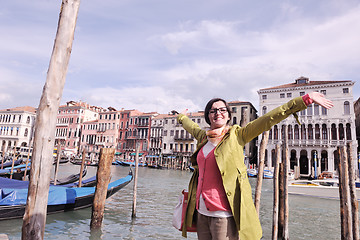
[69, 179]
[61, 199]
[9, 163]
[18, 171]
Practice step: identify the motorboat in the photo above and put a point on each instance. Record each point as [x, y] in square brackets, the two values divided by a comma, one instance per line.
[323, 188]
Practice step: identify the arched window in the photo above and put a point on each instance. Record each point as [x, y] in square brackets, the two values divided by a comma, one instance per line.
[276, 132]
[317, 131]
[290, 133]
[296, 132]
[303, 132]
[333, 132]
[264, 110]
[324, 132]
[348, 131]
[28, 120]
[26, 132]
[341, 132]
[310, 132]
[346, 108]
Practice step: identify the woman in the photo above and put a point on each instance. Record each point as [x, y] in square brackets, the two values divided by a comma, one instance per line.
[219, 190]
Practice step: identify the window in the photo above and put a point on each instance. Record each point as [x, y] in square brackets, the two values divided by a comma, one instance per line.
[323, 111]
[171, 132]
[302, 93]
[264, 97]
[165, 132]
[345, 90]
[264, 110]
[282, 95]
[309, 110]
[234, 120]
[233, 109]
[346, 108]
[289, 95]
[198, 121]
[316, 109]
[323, 92]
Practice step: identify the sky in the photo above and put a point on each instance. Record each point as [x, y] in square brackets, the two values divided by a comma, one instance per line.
[163, 55]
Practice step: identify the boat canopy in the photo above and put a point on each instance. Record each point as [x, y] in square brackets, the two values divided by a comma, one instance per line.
[14, 192]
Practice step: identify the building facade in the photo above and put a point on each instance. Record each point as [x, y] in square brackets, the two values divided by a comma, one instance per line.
[242, 113]
[69, 123]
[16, 129]
[321, 130]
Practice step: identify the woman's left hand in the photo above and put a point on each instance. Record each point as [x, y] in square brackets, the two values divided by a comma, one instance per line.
[320, 99]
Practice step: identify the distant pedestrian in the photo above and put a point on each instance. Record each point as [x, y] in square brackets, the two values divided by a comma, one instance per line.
[220, 198]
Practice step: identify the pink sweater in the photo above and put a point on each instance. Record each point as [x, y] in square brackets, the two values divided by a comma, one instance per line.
[210, 184]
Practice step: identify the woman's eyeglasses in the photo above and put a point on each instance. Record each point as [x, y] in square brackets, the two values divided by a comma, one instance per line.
[221, 110]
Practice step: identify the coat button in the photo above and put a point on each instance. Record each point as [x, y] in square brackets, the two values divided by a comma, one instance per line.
[228, 193]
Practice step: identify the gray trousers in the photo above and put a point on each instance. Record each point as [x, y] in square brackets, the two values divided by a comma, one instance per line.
[214, 228]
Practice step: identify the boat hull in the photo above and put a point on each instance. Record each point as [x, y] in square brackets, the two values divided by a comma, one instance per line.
[18, 211]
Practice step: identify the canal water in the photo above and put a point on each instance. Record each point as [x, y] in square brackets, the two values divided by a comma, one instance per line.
[157, 194]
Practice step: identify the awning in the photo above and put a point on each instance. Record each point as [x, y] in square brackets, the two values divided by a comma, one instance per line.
[133, 154]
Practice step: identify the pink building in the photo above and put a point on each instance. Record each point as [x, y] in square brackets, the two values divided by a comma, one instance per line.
[69, 121]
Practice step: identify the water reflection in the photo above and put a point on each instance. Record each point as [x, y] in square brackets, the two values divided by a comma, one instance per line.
[157, 194]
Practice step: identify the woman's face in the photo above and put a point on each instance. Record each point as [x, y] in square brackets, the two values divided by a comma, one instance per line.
[218, 115]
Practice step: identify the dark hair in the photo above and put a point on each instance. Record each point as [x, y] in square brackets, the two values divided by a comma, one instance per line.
[209, 105]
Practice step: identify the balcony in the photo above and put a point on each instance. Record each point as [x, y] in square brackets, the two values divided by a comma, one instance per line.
[183, 138]
[309, 142]
[62, 124]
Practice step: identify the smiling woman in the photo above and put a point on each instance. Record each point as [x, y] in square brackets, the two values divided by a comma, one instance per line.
[220, 197]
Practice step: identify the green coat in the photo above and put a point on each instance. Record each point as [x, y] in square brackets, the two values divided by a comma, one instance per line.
[230, 160]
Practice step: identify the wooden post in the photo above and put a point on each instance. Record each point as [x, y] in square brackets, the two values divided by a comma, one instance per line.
[344, 193]
[286, 183]
[133, 215]
[27, 159]
[2, 161]
[353, 197]
[281, 200]
[276, 194]
[260, 175]
[82, 167]
[35, 212]
[58, 155]
[102, 182]
[12, 165]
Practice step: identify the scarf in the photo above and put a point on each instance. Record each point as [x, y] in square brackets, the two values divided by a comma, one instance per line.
[216, 135]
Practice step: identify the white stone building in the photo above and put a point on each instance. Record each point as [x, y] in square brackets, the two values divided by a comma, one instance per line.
[321, 130]
[16, 128]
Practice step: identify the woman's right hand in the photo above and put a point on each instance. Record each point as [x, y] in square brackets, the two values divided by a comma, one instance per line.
[320, 99]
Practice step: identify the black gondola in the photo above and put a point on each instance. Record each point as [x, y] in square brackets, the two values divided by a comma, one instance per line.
[61, 199]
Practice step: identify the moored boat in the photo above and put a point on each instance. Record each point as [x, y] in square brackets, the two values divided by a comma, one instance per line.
[13, 198]
[317, 188]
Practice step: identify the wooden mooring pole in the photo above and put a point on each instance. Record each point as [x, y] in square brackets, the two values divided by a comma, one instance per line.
[58, 156]
[102, 182]
[260, 174]
[36, 206]
[133, 215]
[27, 159]
[82, 167]
[349, 214]
[276, 193]
[285, 185]
[353, 197]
